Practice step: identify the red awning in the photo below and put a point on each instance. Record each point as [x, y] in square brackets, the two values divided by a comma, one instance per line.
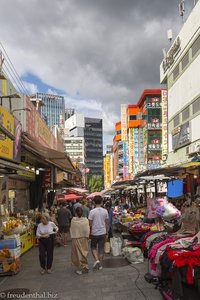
[68, 197]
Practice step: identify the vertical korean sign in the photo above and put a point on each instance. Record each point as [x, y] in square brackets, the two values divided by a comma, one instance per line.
[164, 124]
[131, 145]
[7, 125]
[124, 122]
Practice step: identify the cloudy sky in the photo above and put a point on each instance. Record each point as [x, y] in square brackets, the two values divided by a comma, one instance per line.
[98, 53]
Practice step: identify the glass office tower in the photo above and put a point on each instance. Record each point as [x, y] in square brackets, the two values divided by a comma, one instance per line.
[93, 134]
[52, 109]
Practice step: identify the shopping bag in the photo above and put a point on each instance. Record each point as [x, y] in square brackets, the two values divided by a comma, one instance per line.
[107, 247]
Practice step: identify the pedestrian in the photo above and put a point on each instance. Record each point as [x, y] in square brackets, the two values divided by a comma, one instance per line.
[77, 204]
[45, 234]
[108, 206]
[85, 208]
[64, 217]
[79, 232]
[98, 218]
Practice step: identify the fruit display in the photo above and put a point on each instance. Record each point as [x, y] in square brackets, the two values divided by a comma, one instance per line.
[17, 226]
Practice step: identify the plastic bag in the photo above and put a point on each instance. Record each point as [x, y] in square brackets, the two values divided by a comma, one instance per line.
[116, 246]
[168, 211]
[133, 255]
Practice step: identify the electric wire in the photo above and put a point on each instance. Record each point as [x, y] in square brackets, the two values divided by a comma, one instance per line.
[138, 275]
[8, 65]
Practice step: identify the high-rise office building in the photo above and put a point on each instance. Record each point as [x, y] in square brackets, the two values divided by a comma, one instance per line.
[53, 108]
[93, 135]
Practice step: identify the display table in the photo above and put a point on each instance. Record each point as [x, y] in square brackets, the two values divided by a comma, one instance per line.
[26, 241]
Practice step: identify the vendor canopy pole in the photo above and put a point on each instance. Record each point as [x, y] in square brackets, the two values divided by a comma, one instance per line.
[156, 188]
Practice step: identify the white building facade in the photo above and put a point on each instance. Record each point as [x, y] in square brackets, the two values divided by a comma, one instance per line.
[180, 70]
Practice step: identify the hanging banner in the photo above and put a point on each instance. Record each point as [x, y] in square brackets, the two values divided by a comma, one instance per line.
[164, 124]
[124, 136]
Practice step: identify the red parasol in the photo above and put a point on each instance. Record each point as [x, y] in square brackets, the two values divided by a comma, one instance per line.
[68, 197]
[93, 195]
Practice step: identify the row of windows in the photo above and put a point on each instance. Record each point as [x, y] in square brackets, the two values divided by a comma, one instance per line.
[187, 112]
[73, 148]
[192, 51]
[73, 141]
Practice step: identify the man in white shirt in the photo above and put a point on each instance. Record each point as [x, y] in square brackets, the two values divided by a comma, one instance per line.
[98, 219]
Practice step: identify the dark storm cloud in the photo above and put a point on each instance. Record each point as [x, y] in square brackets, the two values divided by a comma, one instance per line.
[107, 51]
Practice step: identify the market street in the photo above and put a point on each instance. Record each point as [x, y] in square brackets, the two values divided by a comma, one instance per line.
[63, 283]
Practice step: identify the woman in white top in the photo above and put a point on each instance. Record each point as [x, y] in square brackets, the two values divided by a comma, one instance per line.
[45, 233]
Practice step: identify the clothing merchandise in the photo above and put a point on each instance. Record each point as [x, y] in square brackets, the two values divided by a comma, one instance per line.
[48, 229]
[64, 216]
[98, 216]
[79, 228]
[175, 188]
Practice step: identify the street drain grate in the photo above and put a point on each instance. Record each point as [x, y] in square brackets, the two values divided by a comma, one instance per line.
[14, 294]
[115, 262]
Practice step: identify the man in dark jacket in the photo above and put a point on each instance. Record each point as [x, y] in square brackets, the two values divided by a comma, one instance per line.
[64, 217]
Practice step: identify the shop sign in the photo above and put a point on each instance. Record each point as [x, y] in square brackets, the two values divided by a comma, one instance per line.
[131, 146]
[164, 124]
[6, 126]
[125, 160]
[47, 179]
[17, 142]
[124, 136]
[182, 138]
[17, 184]
[153, 103]
[26, 174]
[154, 147]
[169, 59]
[59, 176]
[154, 124]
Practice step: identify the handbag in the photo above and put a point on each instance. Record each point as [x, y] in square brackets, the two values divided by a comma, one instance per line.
[58, 239]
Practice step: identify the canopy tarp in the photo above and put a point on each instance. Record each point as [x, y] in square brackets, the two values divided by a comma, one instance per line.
[68, 197]
[93, 195]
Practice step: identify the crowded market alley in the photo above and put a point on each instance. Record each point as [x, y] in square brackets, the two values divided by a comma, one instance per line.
[125, 282]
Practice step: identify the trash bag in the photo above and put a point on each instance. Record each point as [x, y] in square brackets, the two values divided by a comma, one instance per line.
[116, 246]
[133, 254]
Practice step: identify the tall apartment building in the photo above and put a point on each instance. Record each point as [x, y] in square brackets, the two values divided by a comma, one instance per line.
[140, 140]
[52, 109]
[93, 134]
[179, 70]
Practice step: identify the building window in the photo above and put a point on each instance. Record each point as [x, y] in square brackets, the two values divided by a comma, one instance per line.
[177, 120]
[196, 106]
[176, 72]
[132, 117]
[196, 46]
[185, 60]
[118, 132]
[186, 113]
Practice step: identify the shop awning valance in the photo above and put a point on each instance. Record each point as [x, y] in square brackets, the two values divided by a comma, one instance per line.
[54, 157]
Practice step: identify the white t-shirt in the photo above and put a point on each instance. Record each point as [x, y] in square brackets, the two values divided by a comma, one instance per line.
[48, 229]
[98, 216]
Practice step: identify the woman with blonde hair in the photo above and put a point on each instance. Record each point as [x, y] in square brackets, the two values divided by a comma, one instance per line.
[45, 233]
[80, 231]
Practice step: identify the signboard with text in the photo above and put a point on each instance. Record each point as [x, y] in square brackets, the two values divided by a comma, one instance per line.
[164, 124]
[7, 125]
[124, 136]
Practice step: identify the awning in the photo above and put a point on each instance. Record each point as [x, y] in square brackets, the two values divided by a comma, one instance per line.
[54, 157]
[9, 166]
[78, 190]
[68, 197]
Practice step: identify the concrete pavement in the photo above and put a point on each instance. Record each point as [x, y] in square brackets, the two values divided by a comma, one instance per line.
[64, 283]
